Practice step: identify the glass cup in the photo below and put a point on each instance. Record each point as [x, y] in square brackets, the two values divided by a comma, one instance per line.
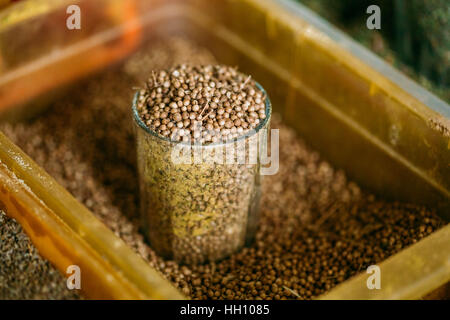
[199, 202]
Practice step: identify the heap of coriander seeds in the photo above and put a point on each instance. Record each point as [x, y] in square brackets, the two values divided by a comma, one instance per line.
[24, 274]
[202, 104]
[317, 228]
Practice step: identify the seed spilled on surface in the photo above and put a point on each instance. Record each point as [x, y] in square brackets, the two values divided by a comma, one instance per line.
[24, 274]
[317, 228]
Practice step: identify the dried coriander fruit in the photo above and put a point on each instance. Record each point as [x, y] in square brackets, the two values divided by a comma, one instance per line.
[313, 219]
[24, 274]
[205, 104]
[205, 207]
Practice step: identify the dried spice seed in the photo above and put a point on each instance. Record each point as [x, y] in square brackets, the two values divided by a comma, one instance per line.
[220, 213]
[313, 220]
[210, 87]
[24, 274]
[197, 212]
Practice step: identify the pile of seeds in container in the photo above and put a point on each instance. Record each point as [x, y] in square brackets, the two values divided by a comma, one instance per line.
[201, 103]
[23, 273]
[201, 211]
[317, 229]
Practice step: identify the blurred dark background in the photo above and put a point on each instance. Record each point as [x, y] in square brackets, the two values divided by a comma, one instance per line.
[414, 35]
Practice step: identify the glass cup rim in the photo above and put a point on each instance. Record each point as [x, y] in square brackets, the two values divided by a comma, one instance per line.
[268, 107]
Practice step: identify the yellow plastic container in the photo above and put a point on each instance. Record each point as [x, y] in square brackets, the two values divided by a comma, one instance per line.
[389, 134]
[39, 54]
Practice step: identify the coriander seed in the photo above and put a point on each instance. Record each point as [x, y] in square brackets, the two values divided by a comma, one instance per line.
[200, 210]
